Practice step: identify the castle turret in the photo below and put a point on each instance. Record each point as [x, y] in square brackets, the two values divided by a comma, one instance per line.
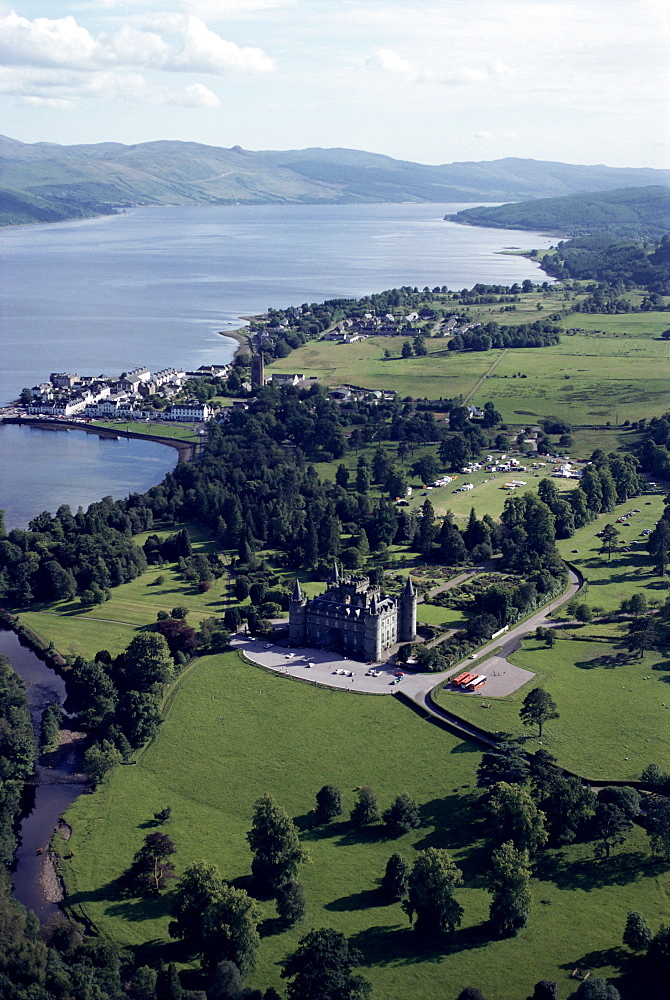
[407, 613]
[297, 616]
[373, 633]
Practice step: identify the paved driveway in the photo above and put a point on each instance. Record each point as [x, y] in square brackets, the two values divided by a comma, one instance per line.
[319, 666]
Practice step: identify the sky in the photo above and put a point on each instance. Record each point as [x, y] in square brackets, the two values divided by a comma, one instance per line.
[578, 81]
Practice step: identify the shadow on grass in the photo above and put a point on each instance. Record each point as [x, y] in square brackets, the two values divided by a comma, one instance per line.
[592, 873]
[402, 946]
[615, 957]
[607, 660]
[450, 820]
[271, 926]
[140, 908]
[356, 901]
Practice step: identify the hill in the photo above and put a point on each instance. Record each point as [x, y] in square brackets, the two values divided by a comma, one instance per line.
[631, 211]
[105, 176]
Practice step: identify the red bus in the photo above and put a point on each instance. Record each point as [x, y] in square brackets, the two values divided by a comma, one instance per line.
[460, 678]
[465, 679]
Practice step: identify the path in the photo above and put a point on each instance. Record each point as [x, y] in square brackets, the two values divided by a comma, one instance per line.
[418, 686]
[456, 581]
[484, 377]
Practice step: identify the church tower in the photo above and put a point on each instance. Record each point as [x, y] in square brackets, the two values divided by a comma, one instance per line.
[257, 369]
[407, 613]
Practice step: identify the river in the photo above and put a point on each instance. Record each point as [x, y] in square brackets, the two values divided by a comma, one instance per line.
[57, 785]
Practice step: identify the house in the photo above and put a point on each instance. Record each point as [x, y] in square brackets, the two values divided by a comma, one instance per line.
[191, 410]
[63, 380]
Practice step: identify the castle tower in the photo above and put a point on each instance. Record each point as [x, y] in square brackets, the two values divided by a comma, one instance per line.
[373, 632]
[407, 613]
[257, 369]
[297, 616]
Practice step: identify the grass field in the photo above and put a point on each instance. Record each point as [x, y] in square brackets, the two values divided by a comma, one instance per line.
[588, 378]
[182, 433]
[611, 371]
[438, 375]
[612, 721]
[235, 732]
[612, 716]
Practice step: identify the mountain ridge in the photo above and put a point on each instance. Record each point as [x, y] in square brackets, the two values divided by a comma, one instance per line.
[102, 177]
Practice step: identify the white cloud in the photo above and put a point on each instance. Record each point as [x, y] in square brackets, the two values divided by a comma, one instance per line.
[45, 42]
[389, 61]
[190, 46]
[202, 50]
[483, 135]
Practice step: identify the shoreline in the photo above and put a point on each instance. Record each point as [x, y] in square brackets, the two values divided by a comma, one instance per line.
[186, 449]
[243, 346]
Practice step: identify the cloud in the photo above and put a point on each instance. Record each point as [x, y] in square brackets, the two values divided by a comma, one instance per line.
[483, 135]
[63, 90]
[173, 43]
[202, 50]
[388, 61]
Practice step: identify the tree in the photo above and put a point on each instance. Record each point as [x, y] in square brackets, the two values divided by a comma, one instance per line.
[419, 345]
[229, 930]
[273, 838]
[291, 903]
[513, 815]
[637, 934]
[659, 546]
[470, 993]
[328, 803]
[657, 823]
[199, 886]
[406, 349]
[179, 635]
[99, 759]
[567, 808]
[150, 868]
[642, 635]
[402, 815]
[143, 984]
[607, 536]
[168, 986]
[322, 967]
[342, 476]
[148, 661]
[610, 826]
[226, 983]
[545, 990]
[430, 902]
[595, 989]
[537, 708]
[50, 724]
[508, 880]
[394, 882]
[504, 762]
[583, 613]
[365, 810]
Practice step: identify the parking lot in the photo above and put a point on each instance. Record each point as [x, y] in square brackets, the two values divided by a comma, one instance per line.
[320, 666]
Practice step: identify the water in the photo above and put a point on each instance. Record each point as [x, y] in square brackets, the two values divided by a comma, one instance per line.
[42, 469]
[155, 286]
[44, 804]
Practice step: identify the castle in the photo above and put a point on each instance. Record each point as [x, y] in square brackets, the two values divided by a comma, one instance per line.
[353, 617]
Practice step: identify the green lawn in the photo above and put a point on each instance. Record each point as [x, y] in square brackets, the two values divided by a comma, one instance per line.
[612, 716]
[589, 378]
[112, 624]
[610, 581]
[439, 375]
[170, 430]
[234, 732]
